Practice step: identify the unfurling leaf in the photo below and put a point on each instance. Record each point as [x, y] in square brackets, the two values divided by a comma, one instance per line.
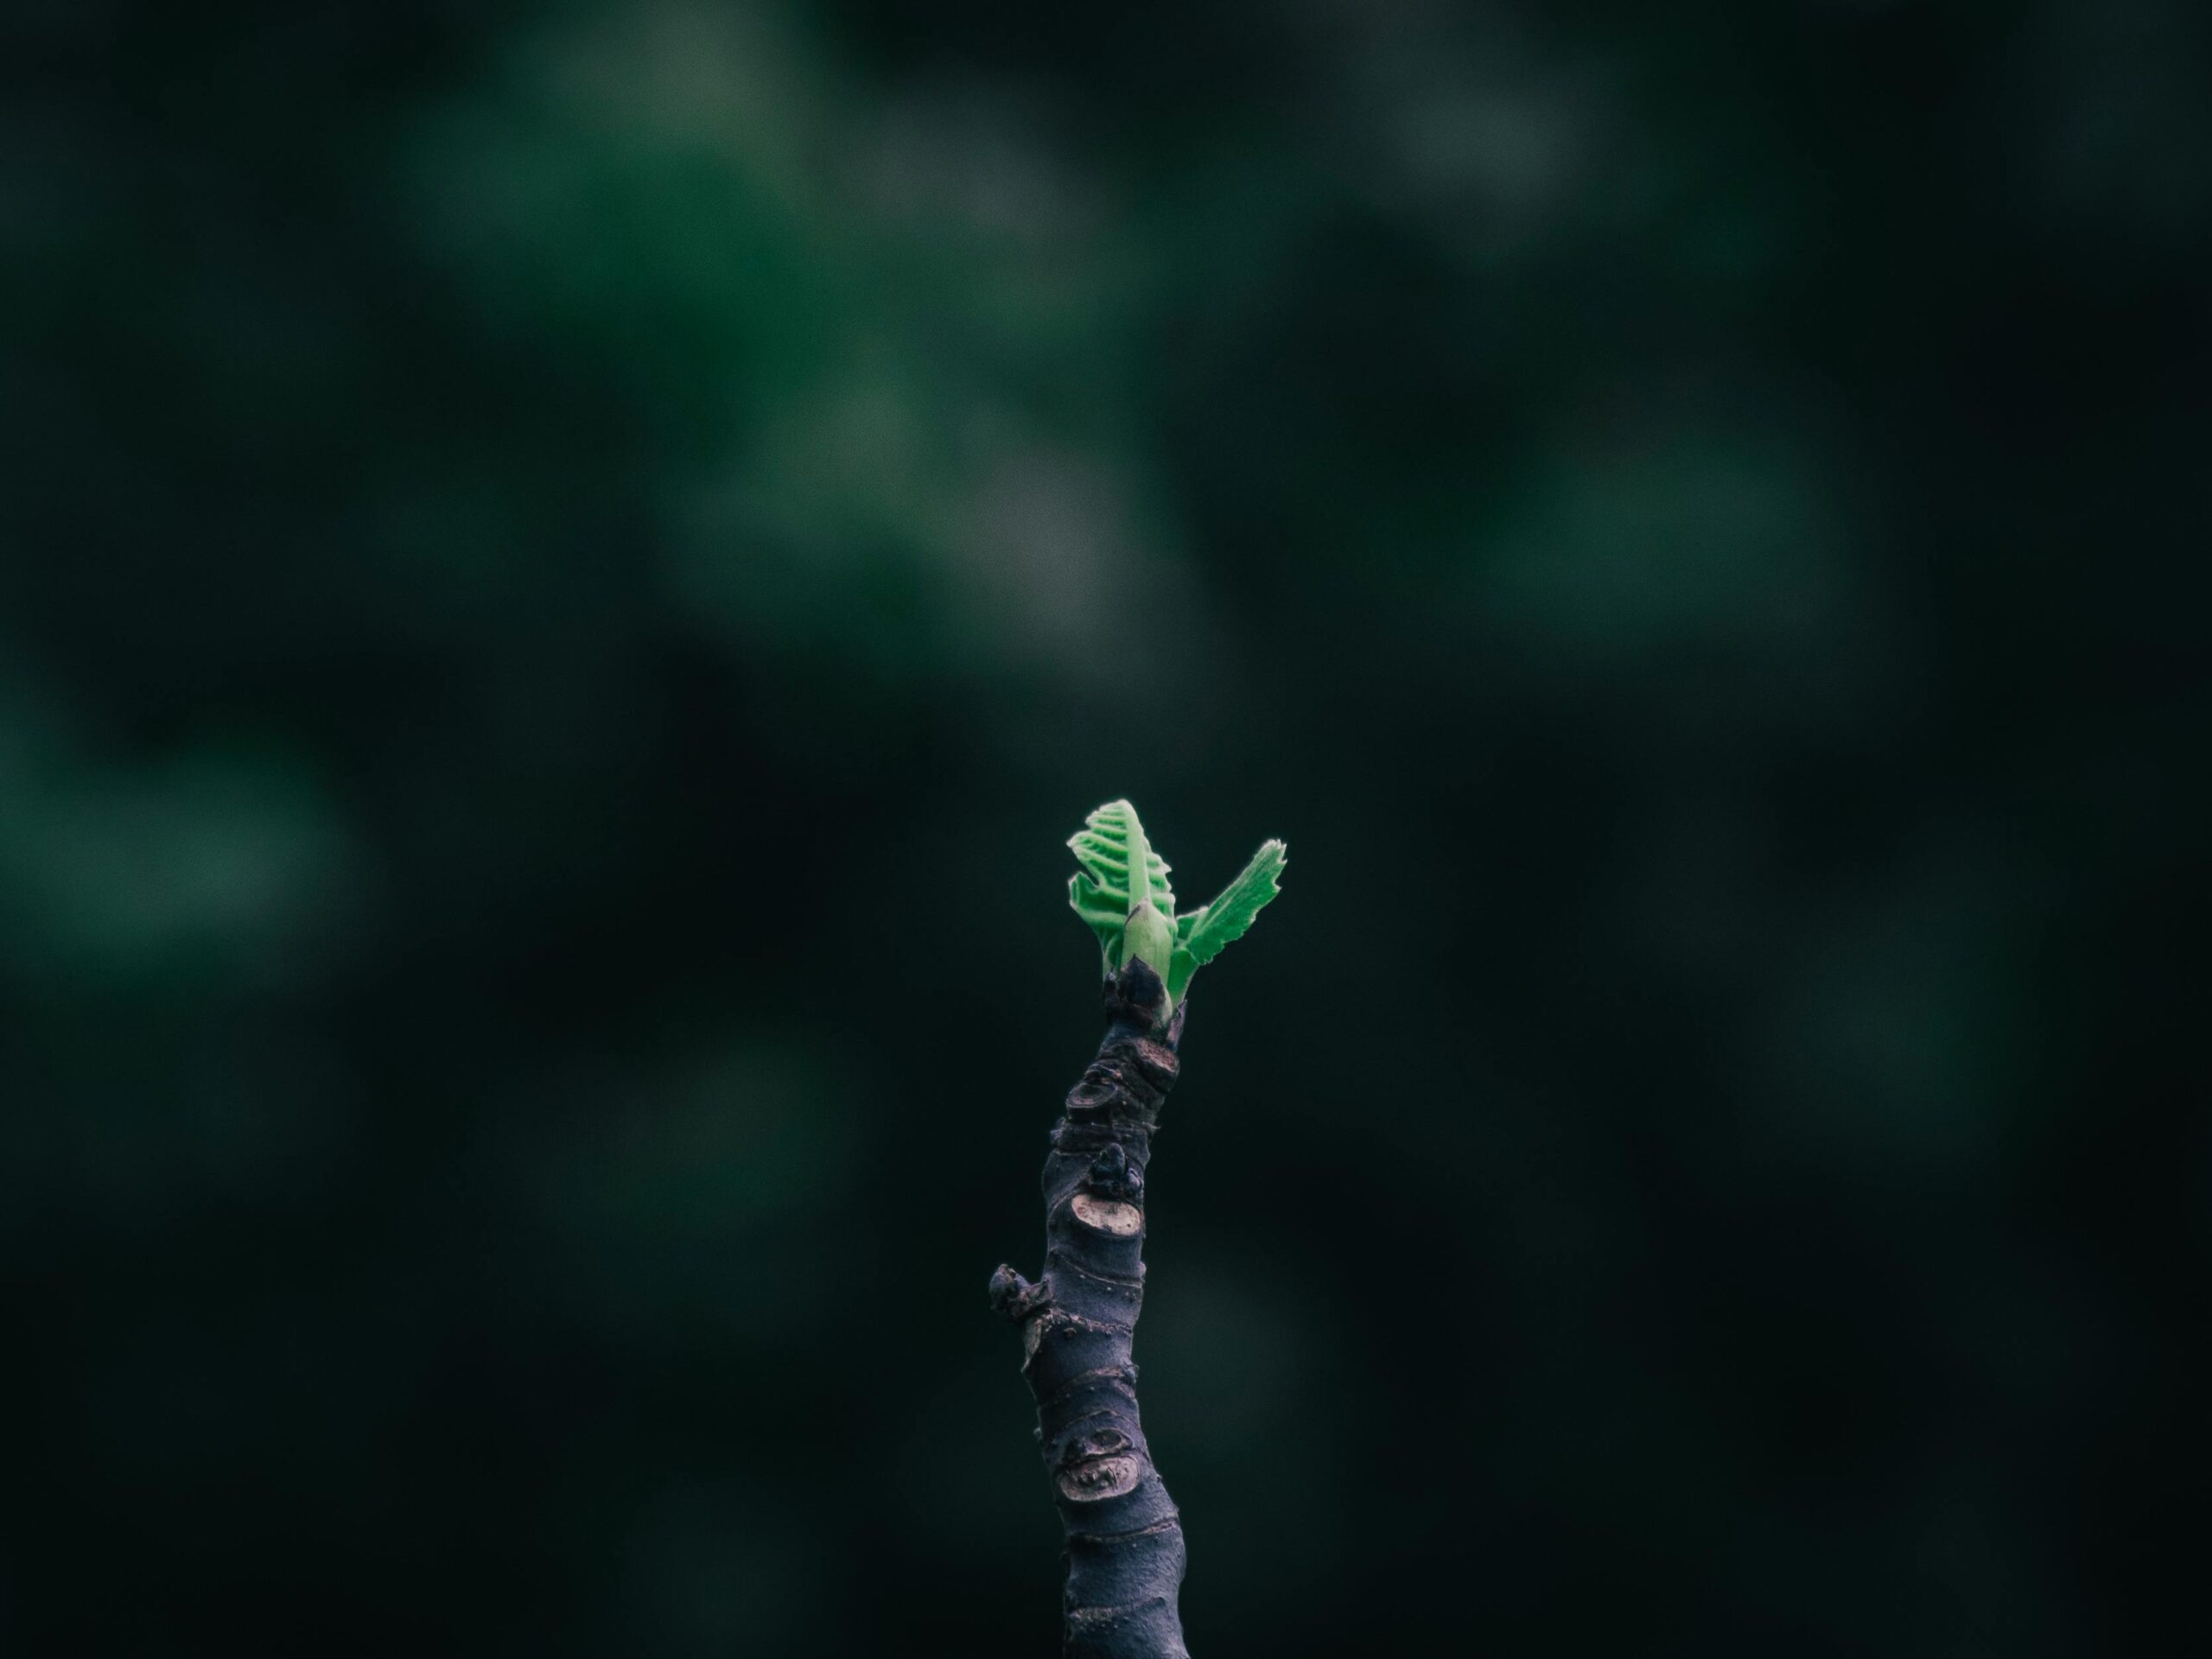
[1206, 931]
[1123, 896]
[1102, 847]
[1101, 894]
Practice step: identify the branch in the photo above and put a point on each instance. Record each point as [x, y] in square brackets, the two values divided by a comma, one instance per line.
[1124, 1538]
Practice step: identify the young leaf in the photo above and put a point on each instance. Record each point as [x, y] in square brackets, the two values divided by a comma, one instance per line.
[1150, 937]
[1103, 915]
[1205, 932]
[1123, 897]
[1139, 864]
[1102, 847]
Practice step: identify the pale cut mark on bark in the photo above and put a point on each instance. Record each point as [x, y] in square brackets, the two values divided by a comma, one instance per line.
[1107, 1215]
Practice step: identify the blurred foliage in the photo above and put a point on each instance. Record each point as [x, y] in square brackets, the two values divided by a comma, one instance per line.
[1712, 498]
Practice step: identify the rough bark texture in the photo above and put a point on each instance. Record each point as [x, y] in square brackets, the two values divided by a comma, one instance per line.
[1124, 1539]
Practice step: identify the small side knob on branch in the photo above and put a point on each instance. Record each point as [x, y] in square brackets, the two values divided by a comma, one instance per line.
[1014, 1296]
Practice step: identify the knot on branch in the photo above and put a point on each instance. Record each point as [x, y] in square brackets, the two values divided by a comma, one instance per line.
[1136, 998]
[1099, 1465]
[1113, 1176]
[1015, 1296]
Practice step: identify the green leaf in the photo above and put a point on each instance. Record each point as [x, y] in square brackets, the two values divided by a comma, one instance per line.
[1205, 932]
[1103, 847]
[1103, 915]
[1138, 863]
[1123, 897]
[1150, 937]
[1180, 969]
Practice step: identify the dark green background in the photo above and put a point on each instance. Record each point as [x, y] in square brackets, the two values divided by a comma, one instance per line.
[567, 569]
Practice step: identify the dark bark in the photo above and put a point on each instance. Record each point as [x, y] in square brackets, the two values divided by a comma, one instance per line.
[1124, 1538]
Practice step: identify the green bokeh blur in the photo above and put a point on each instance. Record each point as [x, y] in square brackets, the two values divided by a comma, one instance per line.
[565, 570]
